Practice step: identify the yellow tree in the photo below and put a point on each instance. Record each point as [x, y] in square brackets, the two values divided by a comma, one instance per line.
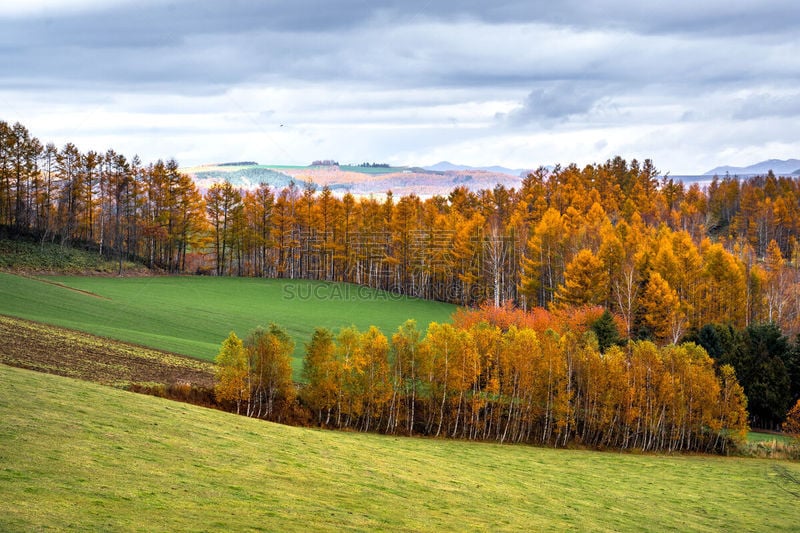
[523, 382]
[451, 352]
[348, 353]
[466, 266]
[585, 281]
[663, 313]
[231, 383]
[777, 283]
[224, 207]
[374, 374]
[544, 260]
[485, 399]
[792, 423]
[409, 364]
[733, 405]
[618, 253]
[322, 373]
[270, 363]
[724, 291]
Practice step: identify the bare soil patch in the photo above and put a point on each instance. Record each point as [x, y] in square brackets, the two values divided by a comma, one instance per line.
[79, 355]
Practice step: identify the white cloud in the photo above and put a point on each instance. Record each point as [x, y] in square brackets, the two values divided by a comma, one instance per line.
[25, 8]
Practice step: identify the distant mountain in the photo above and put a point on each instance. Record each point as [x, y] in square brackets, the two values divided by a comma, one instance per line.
[445, 166]
[361, 181]
[248, 177]
[778, 166]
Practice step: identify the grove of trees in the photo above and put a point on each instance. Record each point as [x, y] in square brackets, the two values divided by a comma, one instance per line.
[509, 376]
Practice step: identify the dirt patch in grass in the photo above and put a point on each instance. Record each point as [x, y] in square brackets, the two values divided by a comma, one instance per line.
[61, 285]
[65, 352]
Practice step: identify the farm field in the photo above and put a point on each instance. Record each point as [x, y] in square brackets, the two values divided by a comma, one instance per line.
[75, 354]
[193, 315]
[77, 455]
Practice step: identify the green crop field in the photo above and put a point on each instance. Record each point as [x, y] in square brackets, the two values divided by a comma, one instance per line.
[75, 455]
[192, 315]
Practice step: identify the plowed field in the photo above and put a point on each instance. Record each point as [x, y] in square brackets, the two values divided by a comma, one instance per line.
[80, 355]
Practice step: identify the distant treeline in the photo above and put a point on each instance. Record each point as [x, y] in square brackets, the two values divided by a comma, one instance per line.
[375, 165]
[324, 163]
[239, 164]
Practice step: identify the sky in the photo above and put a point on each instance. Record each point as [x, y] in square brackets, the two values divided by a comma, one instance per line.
[689, 84]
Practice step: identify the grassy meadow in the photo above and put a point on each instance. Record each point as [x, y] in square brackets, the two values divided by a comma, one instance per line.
[192, 315]
[76, 455]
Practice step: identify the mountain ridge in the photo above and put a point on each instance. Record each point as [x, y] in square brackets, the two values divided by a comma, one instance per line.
[778, 166]
[444, 166]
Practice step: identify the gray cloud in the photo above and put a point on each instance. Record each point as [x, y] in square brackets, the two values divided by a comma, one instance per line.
[555, 102]
[768, 105]
[397, 66]
[213, 44]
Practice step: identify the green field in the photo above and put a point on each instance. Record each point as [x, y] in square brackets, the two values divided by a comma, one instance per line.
[768, 438]
[75, 455]
[192, 315]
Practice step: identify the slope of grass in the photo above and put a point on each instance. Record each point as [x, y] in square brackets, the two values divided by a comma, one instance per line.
[192, 315]
[80, 456]
[27, 255]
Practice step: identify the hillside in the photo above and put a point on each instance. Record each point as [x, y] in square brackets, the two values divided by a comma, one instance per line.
[82, 456]
[29, 256]
[192, 315]
[360, 181]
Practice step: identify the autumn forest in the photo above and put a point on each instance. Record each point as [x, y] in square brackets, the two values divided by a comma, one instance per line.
[559, 273]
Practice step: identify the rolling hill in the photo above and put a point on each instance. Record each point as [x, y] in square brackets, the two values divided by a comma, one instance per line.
[192, 315]
[359, 181]
[77, 455]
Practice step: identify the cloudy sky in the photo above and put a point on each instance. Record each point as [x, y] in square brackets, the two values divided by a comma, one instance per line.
[690, 84]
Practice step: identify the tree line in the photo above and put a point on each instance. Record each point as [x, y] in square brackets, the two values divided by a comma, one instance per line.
[495, 374]
[122, 207]
[615, 234]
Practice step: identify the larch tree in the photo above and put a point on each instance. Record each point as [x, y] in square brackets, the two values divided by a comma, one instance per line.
[663, 314]
[224, 207]
[585, 281]
[544, 260]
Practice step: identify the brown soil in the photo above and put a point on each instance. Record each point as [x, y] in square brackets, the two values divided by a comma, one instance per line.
[79, 355]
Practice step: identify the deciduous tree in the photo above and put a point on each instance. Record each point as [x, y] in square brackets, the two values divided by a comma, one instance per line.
[231, 383]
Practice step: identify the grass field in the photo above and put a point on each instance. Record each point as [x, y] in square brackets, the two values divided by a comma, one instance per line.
[769, 438]
[75, 455]
[192, 315]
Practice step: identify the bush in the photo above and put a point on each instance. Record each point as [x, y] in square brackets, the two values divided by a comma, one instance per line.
[792, 424]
